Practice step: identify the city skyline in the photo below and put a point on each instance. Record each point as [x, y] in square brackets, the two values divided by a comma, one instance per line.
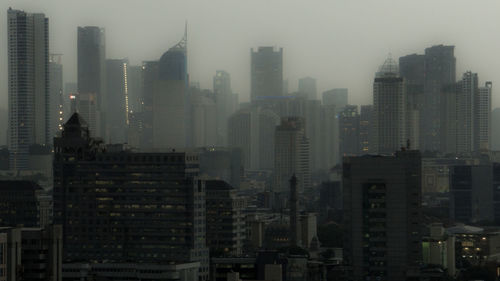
[339, 48]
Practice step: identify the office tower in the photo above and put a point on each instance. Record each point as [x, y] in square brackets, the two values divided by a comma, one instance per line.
[307, 86]
[91, 75]
[134, 83]
[337, 97]
[329, 141]
[149, 76]
[349, 133]
[30, 253]
[113, 204]
[266, 73]
[365, 128]
[203, 118]
[28, 85]
[294, 212]
[56, 94]
[226, 102]
[314, 133]
[471, 193]
[382, 216]
[389, 109]
[224, 163]
[169, 99]
[467, 91]
[19, 203]
[482, 118]
[226, 227]
[440, 71]
[252, 130]
[495, 130]
[291, 155]
[117, 109]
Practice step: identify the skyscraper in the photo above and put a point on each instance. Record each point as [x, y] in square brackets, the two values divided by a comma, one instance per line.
[349, 133]
[266, 73]
[365, 128]
[291, 155]
[467, 92]
[440, 64]
[382, 198]
[56, 94]
[91, 75]
[169, 98]
[337, 97]
[307, 86]
[389, 107]
[226, 102]
[482, 118]
[113, 203]
[28, 84]
[117, 109]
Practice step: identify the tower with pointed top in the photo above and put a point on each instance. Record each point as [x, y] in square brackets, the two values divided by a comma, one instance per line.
[389, 106]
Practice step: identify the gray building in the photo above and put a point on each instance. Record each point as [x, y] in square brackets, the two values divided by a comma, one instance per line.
[119, 206]
[389, 109]
[382, 216]
[28, 85]
[266, 73]
[349, 133]
[226, 102]
[117, 109]
[337, 97]
[56, 95]
[495, 130]
[307, 86]
[91, 78]
[365, 129]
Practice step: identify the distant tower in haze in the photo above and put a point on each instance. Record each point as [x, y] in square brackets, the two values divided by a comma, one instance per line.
[307, 86]
[28, 85]
[91, 75]
[117, 109]
[349, 133]
[225, 101]
[266, 73]
[482, 117]
[291, 154]
[389, 106]
[365, 129]
[56, 94]
[337, 97]
[294, 212]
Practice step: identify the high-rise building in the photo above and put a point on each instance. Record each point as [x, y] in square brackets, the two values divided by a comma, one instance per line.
[56, 94]
[203, 118]
[314, 133]
[337, 97]
[389, 109]
[365, 129]
[149, 76]
[226, 102]
[349, 133]
[307, 86]
[266, 73]
[495, 130]
[468, 89]
[329, 141]
[382, 216]
[291, 154]
[170, 108]
[28, 85]
[226, 228]
[134, 83]
[69, 99]
[117, 109]
[482, 118]
[91, 75]
[119, 206]
[252, 130]
[440, 64]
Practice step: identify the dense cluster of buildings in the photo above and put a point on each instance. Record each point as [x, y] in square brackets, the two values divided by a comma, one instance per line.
[136, 173]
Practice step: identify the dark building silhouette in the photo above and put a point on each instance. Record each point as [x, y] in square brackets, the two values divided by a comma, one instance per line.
[117, 111]
[118, 206]
[266, 73]
[365, 128]
[382, 216]
[19, 204]
[349, 133]
[294, 213]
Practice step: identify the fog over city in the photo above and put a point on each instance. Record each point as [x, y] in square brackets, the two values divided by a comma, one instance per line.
[340, 43]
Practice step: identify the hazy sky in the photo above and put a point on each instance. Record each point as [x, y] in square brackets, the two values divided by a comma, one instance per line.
[341, 43]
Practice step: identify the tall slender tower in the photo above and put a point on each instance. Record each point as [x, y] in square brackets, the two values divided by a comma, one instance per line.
[266, 73]
[294, 209]
[389, 106]
[56, 94]
[28, 50]
[91, 75]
